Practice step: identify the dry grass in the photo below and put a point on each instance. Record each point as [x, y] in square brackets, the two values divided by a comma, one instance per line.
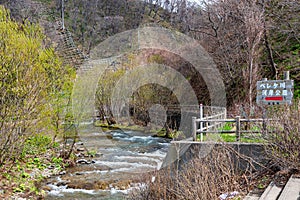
[201, 178]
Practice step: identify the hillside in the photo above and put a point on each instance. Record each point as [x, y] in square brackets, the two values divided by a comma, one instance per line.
[248, 42]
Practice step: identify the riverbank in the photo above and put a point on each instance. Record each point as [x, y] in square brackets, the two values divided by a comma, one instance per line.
[153, 130]
[41, 169]
[23, 177]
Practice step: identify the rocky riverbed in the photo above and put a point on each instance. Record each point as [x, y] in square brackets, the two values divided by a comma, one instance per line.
[119, 158]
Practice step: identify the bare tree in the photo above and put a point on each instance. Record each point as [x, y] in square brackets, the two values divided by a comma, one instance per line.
[232, 32]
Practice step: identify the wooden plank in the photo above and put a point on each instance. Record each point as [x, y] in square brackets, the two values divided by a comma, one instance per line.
[223, 131]
[271, 193]
[214, 116]
[255, 120]
[248, 197]
[233, 120]
[215, 120]
[208, 127]
[198, 131]
[291, 190]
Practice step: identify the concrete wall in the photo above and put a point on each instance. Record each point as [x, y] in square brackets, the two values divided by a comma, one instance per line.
[245, 155]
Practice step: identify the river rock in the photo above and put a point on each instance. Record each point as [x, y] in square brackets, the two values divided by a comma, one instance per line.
[69, 141]
[51, 167]
[62, 183]
[97, 155]
[82, 185]
[110, 137]
[83, 161]
[48, 172]
[79, 143]
[62, 173]
[46, 188]
[80, 149]
[102, 185]
[122, 184]
[79, 155]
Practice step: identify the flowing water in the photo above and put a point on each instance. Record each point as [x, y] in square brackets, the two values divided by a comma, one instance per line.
[121, 157]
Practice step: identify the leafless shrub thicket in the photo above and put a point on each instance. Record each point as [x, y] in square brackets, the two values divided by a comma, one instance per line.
[284, 140]
[202, 178]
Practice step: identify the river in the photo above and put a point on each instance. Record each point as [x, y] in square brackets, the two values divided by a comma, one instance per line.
[121, 156]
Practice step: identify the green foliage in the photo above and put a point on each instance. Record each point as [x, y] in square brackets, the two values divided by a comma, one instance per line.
[104, 91]
[57, 161]
[21, 188]
[92, 153]
[107, 83]
[35, 163]
[25, 175]
[247, 138]
[228, 137]
[34, 86]
[227, 127]
[37, 145]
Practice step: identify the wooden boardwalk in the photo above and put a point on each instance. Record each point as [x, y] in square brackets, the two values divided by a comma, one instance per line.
[291, 191]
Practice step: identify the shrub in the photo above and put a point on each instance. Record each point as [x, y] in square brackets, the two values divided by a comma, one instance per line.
[32, 79]
[202, 178]
[283, 144]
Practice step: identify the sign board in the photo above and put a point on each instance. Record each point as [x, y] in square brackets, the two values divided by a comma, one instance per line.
[274, 92]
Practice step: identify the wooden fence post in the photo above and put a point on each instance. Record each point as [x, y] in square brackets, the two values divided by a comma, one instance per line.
[264, 121]
[194, 125]
[287, 75]
[225, 116]
[201, 123]
[238, 128]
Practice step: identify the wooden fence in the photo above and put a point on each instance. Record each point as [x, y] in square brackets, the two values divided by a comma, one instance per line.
[213, 123]
[208, 113]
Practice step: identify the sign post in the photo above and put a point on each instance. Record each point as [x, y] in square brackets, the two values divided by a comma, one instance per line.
[275, 92]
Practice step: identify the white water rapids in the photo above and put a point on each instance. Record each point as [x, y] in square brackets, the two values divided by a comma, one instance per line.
[124, 154]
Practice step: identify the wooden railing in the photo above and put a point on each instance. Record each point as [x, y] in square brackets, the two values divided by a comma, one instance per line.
[208, 113]
[206, 125]
[212, 119]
